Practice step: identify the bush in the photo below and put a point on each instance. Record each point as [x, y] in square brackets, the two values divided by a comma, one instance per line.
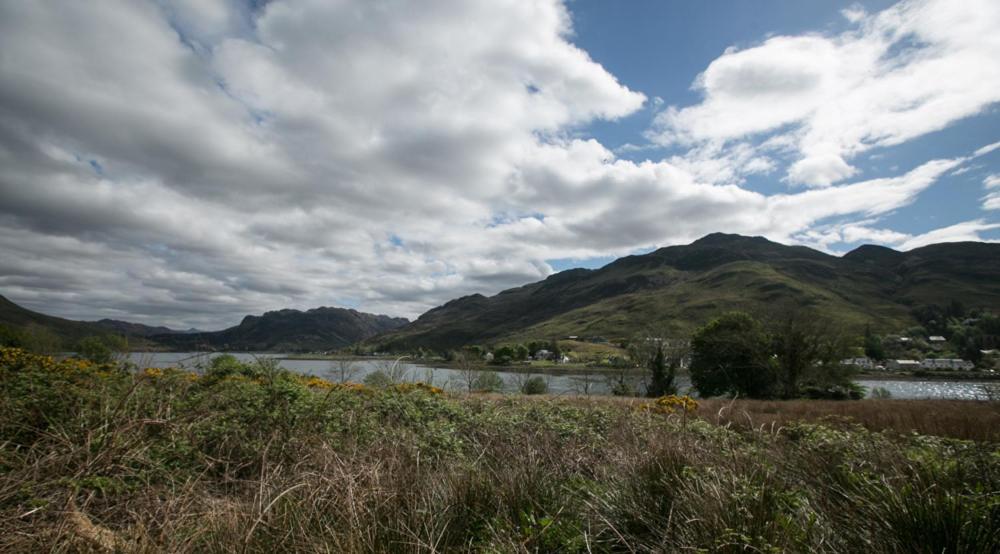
[880, 392]
[101, 350]
[487, 381]
[535, 385]
[377, 379]
[849, 391]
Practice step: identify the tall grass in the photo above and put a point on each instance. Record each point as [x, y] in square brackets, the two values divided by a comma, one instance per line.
[254, 459]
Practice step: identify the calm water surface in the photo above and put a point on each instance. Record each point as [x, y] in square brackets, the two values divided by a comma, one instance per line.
[590, 383]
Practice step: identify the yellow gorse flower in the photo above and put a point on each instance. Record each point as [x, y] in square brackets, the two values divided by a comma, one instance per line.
[153, 372]
[671, 404]
[409, 387]
[316, 382]
[16, 358]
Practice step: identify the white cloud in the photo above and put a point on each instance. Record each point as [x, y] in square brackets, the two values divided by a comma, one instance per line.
[854, 14]
[909, 70]
[987, 149]
[821, 170]
[205, 165]
[965, 231]
[992, 200]
[268, 165]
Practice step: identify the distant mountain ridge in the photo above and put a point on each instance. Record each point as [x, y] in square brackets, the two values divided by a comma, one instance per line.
[289, 330]
[137, 329]
[282, 330]
[676, 288]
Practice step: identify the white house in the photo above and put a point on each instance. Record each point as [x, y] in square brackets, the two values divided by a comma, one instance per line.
[863, 363]
[937, 338]
[946, 363]
[543, 354]
[903, 364]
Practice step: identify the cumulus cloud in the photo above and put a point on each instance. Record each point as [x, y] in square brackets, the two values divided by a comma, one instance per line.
[186, 163]
[895, 75]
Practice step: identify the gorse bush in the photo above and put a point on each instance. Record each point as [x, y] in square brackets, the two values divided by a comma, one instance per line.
[253, 458]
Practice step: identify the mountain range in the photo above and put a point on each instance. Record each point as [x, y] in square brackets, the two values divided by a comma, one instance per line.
[289, 330]
[282, 330]
[68, 332]
[672, 290]
[669, 292]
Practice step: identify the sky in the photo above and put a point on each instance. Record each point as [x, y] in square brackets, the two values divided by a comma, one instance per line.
[188, 162]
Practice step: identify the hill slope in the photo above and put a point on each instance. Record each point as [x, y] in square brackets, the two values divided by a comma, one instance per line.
[67, 331]
[289, 330]
[677, 288]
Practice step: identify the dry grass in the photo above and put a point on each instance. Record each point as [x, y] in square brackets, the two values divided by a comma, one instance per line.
[254, 460]
[959, 419]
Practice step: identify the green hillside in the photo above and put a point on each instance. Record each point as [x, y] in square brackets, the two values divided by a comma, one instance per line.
[65, 332]
[675, 289]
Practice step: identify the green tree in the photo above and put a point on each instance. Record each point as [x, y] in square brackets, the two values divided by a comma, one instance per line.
[730, 355]
[796, 341]
[556, 351]
[660, 359]
[520, 352]
[503, 355]
[873, 345]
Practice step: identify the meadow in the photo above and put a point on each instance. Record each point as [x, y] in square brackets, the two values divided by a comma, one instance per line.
[253, 458]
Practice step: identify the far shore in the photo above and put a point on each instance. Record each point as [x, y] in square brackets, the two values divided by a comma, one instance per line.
[578, 368]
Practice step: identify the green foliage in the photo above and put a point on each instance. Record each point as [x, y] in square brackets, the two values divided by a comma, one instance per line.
[730, 356]
[660, 360]
[873, 345]
[33, 338]
[556, 350]
[101, 350]
[880, 393]
[535, 385]
[662, 375]
[378, 379]
[487, 381]
[622, 387]
[11, 337]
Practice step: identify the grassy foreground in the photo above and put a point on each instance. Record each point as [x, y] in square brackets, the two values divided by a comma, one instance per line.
[256, 459]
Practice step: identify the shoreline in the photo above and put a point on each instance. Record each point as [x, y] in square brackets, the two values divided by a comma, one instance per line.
[571, 368]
